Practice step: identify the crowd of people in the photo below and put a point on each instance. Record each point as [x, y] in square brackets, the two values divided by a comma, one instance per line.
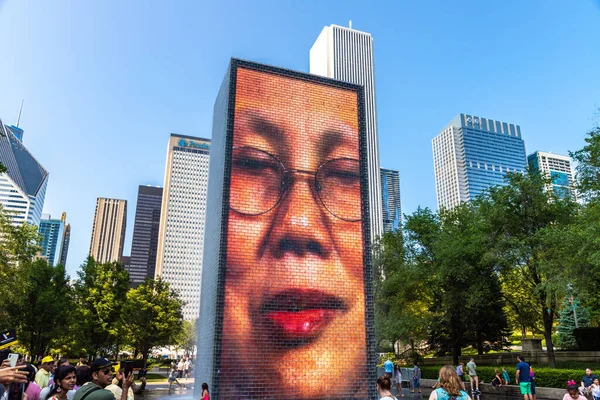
[59, 380]
[451, 382]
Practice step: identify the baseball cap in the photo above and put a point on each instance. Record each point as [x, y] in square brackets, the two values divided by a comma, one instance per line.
[100, 363]
[47, 359]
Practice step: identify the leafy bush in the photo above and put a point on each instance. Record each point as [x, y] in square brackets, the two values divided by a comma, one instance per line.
[544, 377]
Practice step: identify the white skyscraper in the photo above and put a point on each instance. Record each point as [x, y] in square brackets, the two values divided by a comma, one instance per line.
[23, 185]
[181, 231]
[347, 55]
[558, 169]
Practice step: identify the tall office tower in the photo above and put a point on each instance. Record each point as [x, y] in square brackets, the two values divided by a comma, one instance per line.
[390, 199]
[64, 251]
[145, 234]
[108, 231]
[23, 185]
[181, 232]
[52, 231]
[471, 154]
[558, 169]
[347, 55]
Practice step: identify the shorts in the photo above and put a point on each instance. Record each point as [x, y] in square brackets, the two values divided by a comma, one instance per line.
[525, 388]
[172, 379]
[532, 387]
[473, 377]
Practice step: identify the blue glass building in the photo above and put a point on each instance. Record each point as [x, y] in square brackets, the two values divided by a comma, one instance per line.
[472, 154]
[52, 231]
[390, 199]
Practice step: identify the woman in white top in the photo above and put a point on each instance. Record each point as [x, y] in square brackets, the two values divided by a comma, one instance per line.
[384, 386]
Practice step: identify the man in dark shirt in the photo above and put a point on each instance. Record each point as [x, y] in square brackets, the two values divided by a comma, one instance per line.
[523, 378]
[586, 382]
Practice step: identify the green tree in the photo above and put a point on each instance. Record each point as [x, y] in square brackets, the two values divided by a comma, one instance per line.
[18, 246]
[468, 306]
[522, 309]
[152, 316]
[100, 293]
[588, 166]
[401, 295]
[187, 336]
[525, 219]
[42, 312]
[566, 323]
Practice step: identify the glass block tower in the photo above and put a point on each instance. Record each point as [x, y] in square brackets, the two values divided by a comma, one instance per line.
[472, 154]
[183, 210]
[23, 185]
[558, 169]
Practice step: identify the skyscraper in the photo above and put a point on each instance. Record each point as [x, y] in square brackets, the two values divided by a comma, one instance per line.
[64, 251]
[52, 231]
[23, 185]
[108, 231]
[145, 234]
[181, 232]
[558, 169]
[390, 199]
[471, 154]
[347, 55]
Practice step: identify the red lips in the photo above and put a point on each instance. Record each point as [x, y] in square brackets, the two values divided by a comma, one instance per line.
[297, 317]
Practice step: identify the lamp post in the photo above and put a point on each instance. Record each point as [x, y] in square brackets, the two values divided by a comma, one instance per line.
[572, 301]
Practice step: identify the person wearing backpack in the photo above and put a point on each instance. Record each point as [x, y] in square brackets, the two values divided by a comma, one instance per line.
[450, 386]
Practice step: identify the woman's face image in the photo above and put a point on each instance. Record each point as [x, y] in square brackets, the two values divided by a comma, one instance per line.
[294, 313]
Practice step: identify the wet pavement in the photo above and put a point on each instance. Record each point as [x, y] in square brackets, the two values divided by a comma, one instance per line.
[158, 392]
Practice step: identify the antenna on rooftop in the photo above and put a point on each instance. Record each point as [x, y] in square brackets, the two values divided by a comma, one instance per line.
[350, 24]
[20, 110]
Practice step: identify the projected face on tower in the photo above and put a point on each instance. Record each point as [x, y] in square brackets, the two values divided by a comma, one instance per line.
[294, 311]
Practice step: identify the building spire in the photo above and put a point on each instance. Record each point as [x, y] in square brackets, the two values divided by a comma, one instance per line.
[20, 110]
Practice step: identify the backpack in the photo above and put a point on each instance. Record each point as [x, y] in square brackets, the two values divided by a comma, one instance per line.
[443, 395]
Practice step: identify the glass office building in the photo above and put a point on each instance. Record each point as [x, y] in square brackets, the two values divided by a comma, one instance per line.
[52, 231]
[390, 199]
[23, 185]
[472, 154]
[558, 169]
[182, 219]
[145, 234]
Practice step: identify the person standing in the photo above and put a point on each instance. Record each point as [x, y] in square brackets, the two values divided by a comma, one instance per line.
[398, 379]
[461, 374]
[595, 389]
[42, 378]
[388, 367]
[102, 375]
[532, 380]
[416, 378]
[473, 379]
[505, 376]
[523, 378]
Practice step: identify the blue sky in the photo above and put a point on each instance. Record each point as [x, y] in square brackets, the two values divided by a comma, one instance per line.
[106, 82]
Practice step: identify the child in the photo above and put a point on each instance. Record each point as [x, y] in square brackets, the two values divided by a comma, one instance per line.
[573, 392]
[505, 376]
[596, 389]
[497, 381]
[173, 378]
